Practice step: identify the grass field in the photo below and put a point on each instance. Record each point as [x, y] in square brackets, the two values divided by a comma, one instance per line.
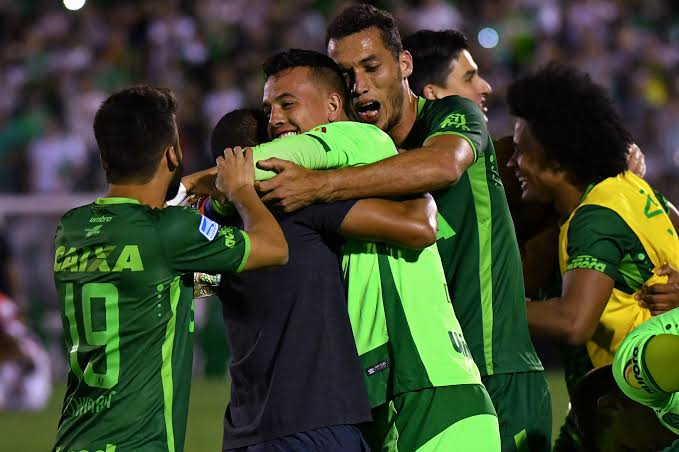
[34, 432]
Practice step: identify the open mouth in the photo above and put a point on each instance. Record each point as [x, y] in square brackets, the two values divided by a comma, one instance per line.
[368, 111]
[522, 181]
[482, 105]
[285, 133]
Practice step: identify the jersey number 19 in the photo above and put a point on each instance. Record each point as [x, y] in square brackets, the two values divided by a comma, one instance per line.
[89, 303]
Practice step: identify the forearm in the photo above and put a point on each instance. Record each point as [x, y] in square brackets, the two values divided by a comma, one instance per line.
[551, 318]
[257, 219]
[410, 172]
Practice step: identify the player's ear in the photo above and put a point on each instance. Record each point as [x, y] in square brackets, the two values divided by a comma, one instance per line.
[172, 156]
[335, 107]
[609, 403]
[429, 91]
[406, 63]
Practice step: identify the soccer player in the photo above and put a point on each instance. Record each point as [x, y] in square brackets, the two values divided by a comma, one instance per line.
[612, 422]
[414, 357]
[617, 228]
[451, 155]
[296, 382]
[443, 66]
[123, 269]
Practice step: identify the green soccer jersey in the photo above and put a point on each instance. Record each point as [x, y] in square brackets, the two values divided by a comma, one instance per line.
[633, 377]
[124, 275]
[406, 332]
[477, 243]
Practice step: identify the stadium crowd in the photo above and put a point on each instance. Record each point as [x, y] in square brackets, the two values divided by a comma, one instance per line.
[56, 66]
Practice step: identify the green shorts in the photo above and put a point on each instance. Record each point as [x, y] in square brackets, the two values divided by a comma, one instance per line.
[524, 410]
[446, 418]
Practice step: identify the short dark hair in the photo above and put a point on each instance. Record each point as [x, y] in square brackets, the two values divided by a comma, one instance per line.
[432, 53]
[242, 127]
[574, 120]
[589, 419]
[132, 128]
[356, 18]
[322, 68]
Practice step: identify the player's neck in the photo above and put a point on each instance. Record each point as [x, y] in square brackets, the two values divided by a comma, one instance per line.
[400, 131]
[151, 193]
[567, 198]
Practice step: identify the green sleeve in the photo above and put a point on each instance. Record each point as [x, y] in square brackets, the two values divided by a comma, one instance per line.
[455, 115]
[597, 240]
[303, 150]
[194, 243]
[330, 146]
[663, 201]
[630, 367]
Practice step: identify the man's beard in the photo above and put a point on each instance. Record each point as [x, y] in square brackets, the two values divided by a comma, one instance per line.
[395, 105]
[173, 188]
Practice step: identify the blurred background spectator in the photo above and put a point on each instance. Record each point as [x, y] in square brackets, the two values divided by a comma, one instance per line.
[57, 65]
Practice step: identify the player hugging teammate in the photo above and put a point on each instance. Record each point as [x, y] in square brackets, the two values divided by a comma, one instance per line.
[392, 319]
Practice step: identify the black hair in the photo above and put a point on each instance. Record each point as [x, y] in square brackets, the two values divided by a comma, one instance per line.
[574, 120]
[356, 18]
[591, 421]
[322, 68]
[433, 52]
[242, 127]
[133, 127]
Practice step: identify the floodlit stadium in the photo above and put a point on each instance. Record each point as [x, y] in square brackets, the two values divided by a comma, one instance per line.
[330, 226]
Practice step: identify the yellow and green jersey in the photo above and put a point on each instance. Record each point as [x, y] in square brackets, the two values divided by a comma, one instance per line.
[630, 369]
[621, 228]
[477, 243]
[406, 331]
[124, 276]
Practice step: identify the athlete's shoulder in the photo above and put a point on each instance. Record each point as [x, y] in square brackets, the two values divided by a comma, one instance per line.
[76, 213]
[172, 217]
[449, 105]
[351, 128]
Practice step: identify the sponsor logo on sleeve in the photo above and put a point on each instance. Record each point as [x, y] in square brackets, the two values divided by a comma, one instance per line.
[587, 262]
[229, 238]
[208, 228]
[632, 373]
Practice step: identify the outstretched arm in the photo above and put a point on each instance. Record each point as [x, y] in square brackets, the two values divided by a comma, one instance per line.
[573, 317]
[439, 163]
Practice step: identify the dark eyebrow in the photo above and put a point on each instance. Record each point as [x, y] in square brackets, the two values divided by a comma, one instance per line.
[278, 98]
[369, 59]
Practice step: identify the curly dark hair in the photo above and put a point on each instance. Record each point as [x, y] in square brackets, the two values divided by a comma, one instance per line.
[574, 120]
[432, 53]
[133, 127]
[356, 18]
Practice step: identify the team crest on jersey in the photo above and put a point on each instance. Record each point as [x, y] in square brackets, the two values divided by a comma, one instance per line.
[457, 120]
[208, 227]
